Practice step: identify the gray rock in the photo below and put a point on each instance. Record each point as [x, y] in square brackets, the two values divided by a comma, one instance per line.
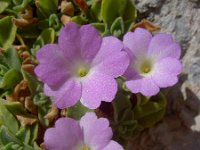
[180, 129]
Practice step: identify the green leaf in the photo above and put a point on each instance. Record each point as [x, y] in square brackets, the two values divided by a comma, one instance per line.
[77, 111]
[10, 79]
[7, 119]
[125, 125]
[79, 20]
[130, 14]
[34, 134]
[12, 146]
[21, 5]
[7, 35]
[28, 134]
[30, 32]
[32, 81]
[100, 27]
[17, 2]
[24, 134]
[12, 59]
[96, 10]
[46, 7]
[15, 108]
[47, 36]
[151, 112]
[122, 104]
[6, 136]
[3, 5]
[44, 104]
[3, 70]
[54, 22]
[111, 9]
[117, 28]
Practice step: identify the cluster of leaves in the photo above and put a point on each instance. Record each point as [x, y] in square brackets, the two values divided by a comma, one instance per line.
[110, 17]
[25, 26]
[23, 109]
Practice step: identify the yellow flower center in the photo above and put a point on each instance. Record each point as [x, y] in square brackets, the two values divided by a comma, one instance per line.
[82, 72]
[145, 67]
[85, 148]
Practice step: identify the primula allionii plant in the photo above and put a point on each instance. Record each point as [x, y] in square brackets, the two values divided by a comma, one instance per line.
[81, 67]
[154, 61]
[80, 74]
[90, 133]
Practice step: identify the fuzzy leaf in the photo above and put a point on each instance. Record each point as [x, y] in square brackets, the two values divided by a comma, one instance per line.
[47, 36]
[6, 136]
[7, 35]
[151, 112]
[96, 10]
[15, 108]
[23, 134]
[54, 22]
[12, 59]
[10, 79]
[125, 125]
[3, 5]
[30, 32]
[117, 28]
[77, 111]
[100, 27]
[111, 9]
[46, 7]
[7, 119]
[12, 146]
[21, 5]
[79, 20]
[130, 14]
[32, 81]
[11, 142]
[44, 104]
[28, 134]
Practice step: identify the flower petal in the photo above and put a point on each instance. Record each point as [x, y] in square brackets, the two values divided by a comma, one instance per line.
[67, 95]
[115, 65]
[130, 71]
[137, 41]
[144, 85]
[110, 59]
[98, 87]
[79, 42]
[166, 72]
[69, 40]
[113, 146]
[110, 46]
[135, 83]
[48, 71]
[149, 87]
[66, 135]
[97, 133]
[90, 42]
[162, 45]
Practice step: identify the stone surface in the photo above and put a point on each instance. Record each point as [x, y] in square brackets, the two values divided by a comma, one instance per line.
[180, 129]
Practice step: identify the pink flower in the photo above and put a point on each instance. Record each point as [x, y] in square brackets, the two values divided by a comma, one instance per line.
[90, 133]
[82, 66]
[154, 62]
